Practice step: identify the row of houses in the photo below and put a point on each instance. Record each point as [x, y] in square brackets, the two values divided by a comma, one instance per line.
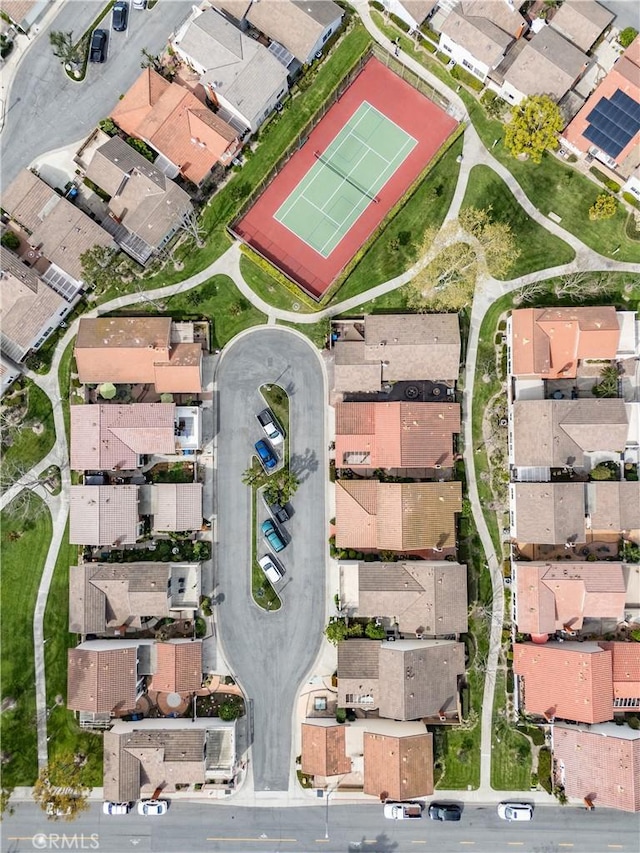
[575, 596]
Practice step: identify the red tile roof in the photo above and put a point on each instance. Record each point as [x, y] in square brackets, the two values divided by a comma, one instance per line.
[626, 669]
[396, 435]
[572, 681]
[324, 750]
[399, 767]
[178, 667]
[102, 680]
[601, 763]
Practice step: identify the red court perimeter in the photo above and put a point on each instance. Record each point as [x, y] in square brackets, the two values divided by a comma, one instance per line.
[400, 102]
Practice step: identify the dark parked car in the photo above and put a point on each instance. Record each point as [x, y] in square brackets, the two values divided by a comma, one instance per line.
[98, 51]
[279, 512]
[266, 454]
[119, 17]
[441, 811]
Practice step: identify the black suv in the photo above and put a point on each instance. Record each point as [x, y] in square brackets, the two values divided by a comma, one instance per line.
[98, 51]
[280, 513]
[119, 16]
[442, 811]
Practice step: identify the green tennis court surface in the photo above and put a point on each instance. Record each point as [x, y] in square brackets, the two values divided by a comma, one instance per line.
[345, 179]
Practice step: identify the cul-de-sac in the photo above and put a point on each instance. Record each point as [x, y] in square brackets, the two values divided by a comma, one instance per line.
[320, 426]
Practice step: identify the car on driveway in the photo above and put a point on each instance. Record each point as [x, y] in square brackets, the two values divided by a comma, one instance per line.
[444, 811]
[266, 454]
[278, 511]
[119, 16]
[515, 811]
[271, 569]
[98, 51]
[152, 807]
[272, 536]
[270, 426]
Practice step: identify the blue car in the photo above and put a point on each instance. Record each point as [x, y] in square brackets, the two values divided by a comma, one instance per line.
[266, 454]
[272, 536]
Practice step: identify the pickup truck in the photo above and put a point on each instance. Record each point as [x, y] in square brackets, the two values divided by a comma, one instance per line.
[402, 811]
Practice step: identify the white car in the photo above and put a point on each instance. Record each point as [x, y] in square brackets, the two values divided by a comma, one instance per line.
[152, 807]
[116, 808]
[515, 811]
[270, 427]
[270, 568]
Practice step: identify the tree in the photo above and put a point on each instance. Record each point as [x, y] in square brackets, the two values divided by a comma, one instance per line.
[98, 267]
[604, 207]
[5, 797]
[579, 286]
[108, 125]
[627, 36]
[63, 46]
[229, 710]
[59, 789]
[255, 476]
[150, 61]
[447, 282]
[609, 379]
[281, 486]
[336, 631]
[495, 239]
[533, 126]
[194, 230]
[375, 632]
[10, 240]
[26, 506]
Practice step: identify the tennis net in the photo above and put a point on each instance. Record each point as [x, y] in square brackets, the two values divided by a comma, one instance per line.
[344, 176]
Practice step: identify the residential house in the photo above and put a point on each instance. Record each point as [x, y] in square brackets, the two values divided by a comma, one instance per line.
[301, 27]
[586, 682]
[396, 516]
[104, 515]
[240, 76]
[565, 434]
[598, 763]
[190, 138]
[559, 597]
[58, 233]
[9, 372]
[403, 680]
[608, 125]
[478, 33]
[549, 343]
[614, 507]
[548, 513]
[30, 310]
[176, 506]
[412, 12]
[387, 759]
[581, 21]
[168, 755]
[149, 207]
[178, 667]
[396, 435]
[547, 64]
[145, 350]
[24, 14]
[113, 436]
[386, 348]
[417, 597]
[113, 598]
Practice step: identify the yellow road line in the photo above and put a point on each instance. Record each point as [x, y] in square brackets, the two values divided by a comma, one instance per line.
[565, 844]
[418, 842]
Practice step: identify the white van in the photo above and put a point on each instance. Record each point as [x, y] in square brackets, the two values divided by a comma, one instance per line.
[116, 808]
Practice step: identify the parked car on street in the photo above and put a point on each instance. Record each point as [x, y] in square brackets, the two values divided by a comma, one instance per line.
[272, 536]
[266, 454]
[152, 807]
[270, 426]
[139, 4]
[98, 50]
[271, 569]
[402, 811]
[515, 811]
[444, 811]
[116, 808]
[119, 16]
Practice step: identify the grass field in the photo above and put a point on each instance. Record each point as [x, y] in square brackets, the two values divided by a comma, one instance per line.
[23, 559]
[271, 290]
[316, 332]
[219, 300]
[510, 749]
[66, 736]
[28, 448]
[538, 248]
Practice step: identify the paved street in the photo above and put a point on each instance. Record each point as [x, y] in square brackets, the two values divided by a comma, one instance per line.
[225, 828]
[46, 110]
[271, 653]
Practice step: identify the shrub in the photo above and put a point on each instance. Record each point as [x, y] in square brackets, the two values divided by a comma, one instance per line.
[375, 5]
[604, 207]
[375, 632]
[444, 58]
[633, 723]
[627, 36]
[341, 715]
[604, 179]
[229, 710]
[10, 240]
[142, 148]
[108, 125]
[468, 79]
[631, 199]
[402, 25]
[544, 769]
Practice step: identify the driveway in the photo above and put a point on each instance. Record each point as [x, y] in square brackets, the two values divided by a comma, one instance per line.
[47, 110]
[271, 653]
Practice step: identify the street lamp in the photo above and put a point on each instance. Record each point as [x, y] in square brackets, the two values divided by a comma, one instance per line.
[326, 813]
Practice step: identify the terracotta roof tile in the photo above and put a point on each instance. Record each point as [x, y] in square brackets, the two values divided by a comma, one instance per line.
[102, 681]
[323, 750]
[103, 515]
[573, 681]
[178, 667]
[399, 767]
[626, 669]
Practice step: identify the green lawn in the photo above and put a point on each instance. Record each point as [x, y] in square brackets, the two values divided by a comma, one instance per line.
[271, 290]
[29, 448]
[66, 736]
[538, 248]
[510, 749]
[275, 138]
[23, 559]
[67, 364]
[218, 300]
[316, 332]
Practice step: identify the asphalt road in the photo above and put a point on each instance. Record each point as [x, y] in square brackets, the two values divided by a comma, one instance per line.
[47, 110]
[626, 12]
[271, 653]
[216, 827]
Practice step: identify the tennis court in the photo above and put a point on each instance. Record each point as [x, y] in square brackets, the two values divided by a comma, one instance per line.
[345, 179]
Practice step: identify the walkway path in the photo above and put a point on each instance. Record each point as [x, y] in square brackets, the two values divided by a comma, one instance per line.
[488, 290]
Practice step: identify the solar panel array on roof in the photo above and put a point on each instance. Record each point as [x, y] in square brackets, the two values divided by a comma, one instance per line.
[281, 53]
[613, 123]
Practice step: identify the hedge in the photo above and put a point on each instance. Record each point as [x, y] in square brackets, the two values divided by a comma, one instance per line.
[604, 179]
[278, 276]
[468, 79]
[631, 199]
[544, 769]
